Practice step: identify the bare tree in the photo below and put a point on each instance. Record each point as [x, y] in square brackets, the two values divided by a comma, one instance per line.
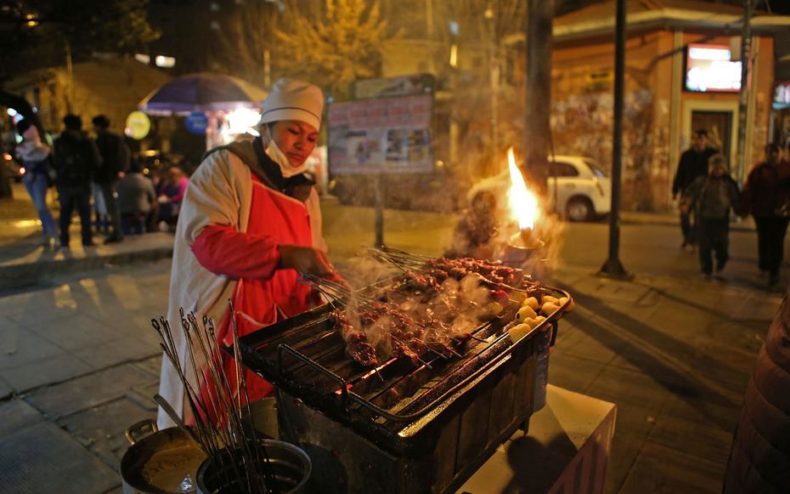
[338, 44]
[246, 42]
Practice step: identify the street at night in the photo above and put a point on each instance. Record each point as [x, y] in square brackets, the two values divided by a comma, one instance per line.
[671, 349]
[394, 246]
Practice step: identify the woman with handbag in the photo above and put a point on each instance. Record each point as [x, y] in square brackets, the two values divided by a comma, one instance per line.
[767, 198]
[36, 158]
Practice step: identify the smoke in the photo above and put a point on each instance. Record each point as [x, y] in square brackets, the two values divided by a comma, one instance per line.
[424, 309]
[487, 230]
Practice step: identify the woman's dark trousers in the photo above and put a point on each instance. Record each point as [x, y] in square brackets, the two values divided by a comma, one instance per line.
[770, 242]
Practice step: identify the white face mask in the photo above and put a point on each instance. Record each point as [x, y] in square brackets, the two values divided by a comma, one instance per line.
[274, 152]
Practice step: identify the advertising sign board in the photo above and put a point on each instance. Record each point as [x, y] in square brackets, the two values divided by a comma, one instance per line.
[389, 134]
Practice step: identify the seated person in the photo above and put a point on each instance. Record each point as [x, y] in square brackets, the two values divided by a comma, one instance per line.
[171, 195]
[476, 230]
[136, 200]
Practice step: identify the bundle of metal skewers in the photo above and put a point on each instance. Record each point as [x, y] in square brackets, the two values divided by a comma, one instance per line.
[493, 274]
[223, 419]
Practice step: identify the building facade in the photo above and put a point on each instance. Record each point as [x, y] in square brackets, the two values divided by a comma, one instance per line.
[680, 66]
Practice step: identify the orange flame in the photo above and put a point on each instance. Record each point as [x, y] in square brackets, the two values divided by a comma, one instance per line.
[523, 202]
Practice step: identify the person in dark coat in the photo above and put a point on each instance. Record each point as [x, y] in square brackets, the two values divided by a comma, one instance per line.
[767, 198]
[76, 161]
[712, 197]
[760, 455]
[115, 156]
[693, 164]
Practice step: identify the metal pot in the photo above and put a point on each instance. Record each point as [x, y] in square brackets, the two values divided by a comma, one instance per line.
[159, 462]
[290, 467]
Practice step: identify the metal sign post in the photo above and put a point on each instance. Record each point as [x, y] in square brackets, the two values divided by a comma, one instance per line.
[613, 267]
[385, 130]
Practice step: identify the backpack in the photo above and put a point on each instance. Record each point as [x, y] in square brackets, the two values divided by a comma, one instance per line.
[75, 164]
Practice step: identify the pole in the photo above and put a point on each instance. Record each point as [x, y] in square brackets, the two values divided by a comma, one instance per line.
[379, 213]
[538, 100]
[613, 267]
[70, 78]
[743, 101]
[493, 77]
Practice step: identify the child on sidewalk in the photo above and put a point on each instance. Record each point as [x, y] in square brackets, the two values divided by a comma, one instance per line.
[711, 197]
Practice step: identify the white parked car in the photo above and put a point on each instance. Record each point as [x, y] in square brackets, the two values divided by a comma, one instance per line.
[583, 191]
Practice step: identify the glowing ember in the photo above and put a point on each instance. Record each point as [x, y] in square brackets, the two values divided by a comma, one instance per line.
[523, 202]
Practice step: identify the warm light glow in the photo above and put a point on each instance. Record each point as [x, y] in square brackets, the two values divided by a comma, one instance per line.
[523, 202]
[165, 62]
[241, 121]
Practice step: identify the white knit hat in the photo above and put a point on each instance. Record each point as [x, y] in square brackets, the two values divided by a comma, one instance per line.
[291, 99]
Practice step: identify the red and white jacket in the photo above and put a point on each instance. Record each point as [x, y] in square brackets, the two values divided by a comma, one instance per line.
[226, 248]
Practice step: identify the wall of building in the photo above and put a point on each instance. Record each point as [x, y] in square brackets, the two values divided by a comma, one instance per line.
[111, 87]
[582, 111]
[656, 113]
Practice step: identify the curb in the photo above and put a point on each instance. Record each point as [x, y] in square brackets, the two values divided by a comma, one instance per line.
[658, 222]
[29, 275]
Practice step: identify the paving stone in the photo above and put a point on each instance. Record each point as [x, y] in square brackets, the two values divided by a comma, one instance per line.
[623, 386]
[5, 389]
[48, 371]
[611, 290]
[75, 332]
[16, 415]
[23, 347]
[693, 437]
[103, 355]
[143, 396]
[44, 306]
[101, 429]
[88, 391]
[631, 433]
[659, 469]
[590, 348]
[152, 365]
[571, 372]
[44, 458]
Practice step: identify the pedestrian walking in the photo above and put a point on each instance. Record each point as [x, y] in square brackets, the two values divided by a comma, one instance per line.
[712, 197]
[136, 200]
[693, 164]
[76, 161]
[36, 157]
[767, 199]
[250, 223]
[115, 156]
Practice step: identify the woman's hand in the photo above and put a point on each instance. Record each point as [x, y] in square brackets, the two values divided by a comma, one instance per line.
[306, 260]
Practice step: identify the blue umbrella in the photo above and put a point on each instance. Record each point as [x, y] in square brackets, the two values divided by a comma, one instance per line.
[202, 92]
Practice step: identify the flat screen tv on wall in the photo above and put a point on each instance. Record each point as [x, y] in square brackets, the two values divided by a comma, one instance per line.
[710, 68]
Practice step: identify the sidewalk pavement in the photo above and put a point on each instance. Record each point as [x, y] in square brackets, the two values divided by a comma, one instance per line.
[25, 263]
[79, 362]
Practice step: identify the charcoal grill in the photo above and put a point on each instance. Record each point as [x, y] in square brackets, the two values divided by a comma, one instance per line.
[401, 427]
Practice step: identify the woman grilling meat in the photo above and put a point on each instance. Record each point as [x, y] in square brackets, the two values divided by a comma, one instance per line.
[250, 223]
